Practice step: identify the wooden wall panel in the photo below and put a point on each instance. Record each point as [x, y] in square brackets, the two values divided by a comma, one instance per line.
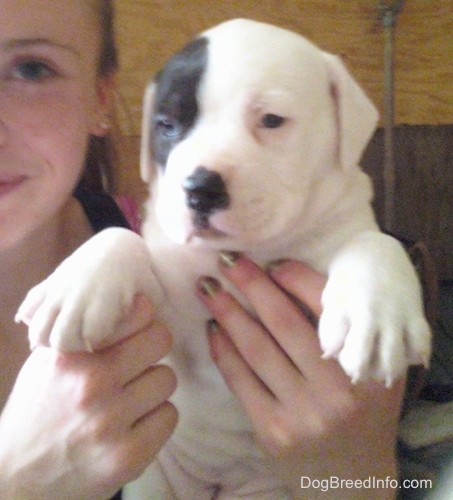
[423, 187]
[150, 31]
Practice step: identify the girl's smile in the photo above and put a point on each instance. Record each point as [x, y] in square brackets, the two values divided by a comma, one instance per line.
[51, 101]
[9, 185]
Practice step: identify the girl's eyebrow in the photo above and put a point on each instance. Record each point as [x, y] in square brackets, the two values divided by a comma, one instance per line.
[21, 43]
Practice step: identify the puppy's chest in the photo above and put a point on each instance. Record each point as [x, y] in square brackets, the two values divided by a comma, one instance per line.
[177, 271]
[178, 268]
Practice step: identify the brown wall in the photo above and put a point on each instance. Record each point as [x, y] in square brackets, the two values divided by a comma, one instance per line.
[423, 207]
[150, 31]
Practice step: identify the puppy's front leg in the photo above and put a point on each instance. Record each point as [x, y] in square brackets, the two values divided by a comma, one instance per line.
[373, 318]
[78, 305]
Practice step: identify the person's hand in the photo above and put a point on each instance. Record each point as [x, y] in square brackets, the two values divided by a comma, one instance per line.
[82, 425]
[306, 413]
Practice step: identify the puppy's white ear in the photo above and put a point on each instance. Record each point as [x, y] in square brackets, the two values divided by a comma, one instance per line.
[146, 161]
[357, 116]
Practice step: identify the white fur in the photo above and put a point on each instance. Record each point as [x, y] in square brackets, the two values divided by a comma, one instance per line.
[296, 191]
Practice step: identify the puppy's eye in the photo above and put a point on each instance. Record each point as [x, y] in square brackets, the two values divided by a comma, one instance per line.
[168, 127]
[272, 121]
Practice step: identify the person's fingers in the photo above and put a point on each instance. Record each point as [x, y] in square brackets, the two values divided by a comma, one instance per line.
[301, 281]
[148, 391]
[140, 315]
[284, 322]
[147, 437]
[290, 328]
[257, 347]
[138, 352]
[239, 377]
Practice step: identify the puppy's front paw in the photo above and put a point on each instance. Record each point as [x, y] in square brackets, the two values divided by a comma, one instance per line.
[77, 307]
[373, 319]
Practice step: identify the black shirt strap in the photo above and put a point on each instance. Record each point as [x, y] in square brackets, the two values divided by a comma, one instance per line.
[101, 210]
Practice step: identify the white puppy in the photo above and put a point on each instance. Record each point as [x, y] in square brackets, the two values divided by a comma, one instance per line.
[256, 134]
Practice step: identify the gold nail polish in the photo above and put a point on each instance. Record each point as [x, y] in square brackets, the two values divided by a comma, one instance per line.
[212, 326]
[209, 286]
[227, 258]
[274, 265]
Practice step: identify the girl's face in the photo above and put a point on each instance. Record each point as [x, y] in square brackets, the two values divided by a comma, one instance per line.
[51, 99]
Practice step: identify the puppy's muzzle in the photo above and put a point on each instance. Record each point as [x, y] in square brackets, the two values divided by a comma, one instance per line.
[205, 193]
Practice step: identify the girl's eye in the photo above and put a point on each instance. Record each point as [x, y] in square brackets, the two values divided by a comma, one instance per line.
[272, 121]
[33, 71]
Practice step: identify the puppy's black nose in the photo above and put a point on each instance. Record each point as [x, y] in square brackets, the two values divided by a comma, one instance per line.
[205, 191]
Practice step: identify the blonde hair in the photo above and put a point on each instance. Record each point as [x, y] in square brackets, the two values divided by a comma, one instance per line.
[100, 162]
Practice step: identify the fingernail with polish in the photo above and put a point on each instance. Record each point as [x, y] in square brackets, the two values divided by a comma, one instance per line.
[212, 326]
[274, 265]
[227, 258]
[209, 286]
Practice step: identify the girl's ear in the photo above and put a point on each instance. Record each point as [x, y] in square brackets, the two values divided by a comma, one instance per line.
[105, 95]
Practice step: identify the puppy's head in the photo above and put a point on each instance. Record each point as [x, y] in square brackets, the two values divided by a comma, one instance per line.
[243, 124]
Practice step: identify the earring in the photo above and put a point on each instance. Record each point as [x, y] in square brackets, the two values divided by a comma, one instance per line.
[104, 123]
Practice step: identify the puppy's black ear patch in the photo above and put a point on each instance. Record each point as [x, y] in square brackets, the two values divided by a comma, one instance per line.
[175, 104]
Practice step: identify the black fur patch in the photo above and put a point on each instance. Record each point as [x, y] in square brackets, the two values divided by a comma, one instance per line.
[175, 103]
